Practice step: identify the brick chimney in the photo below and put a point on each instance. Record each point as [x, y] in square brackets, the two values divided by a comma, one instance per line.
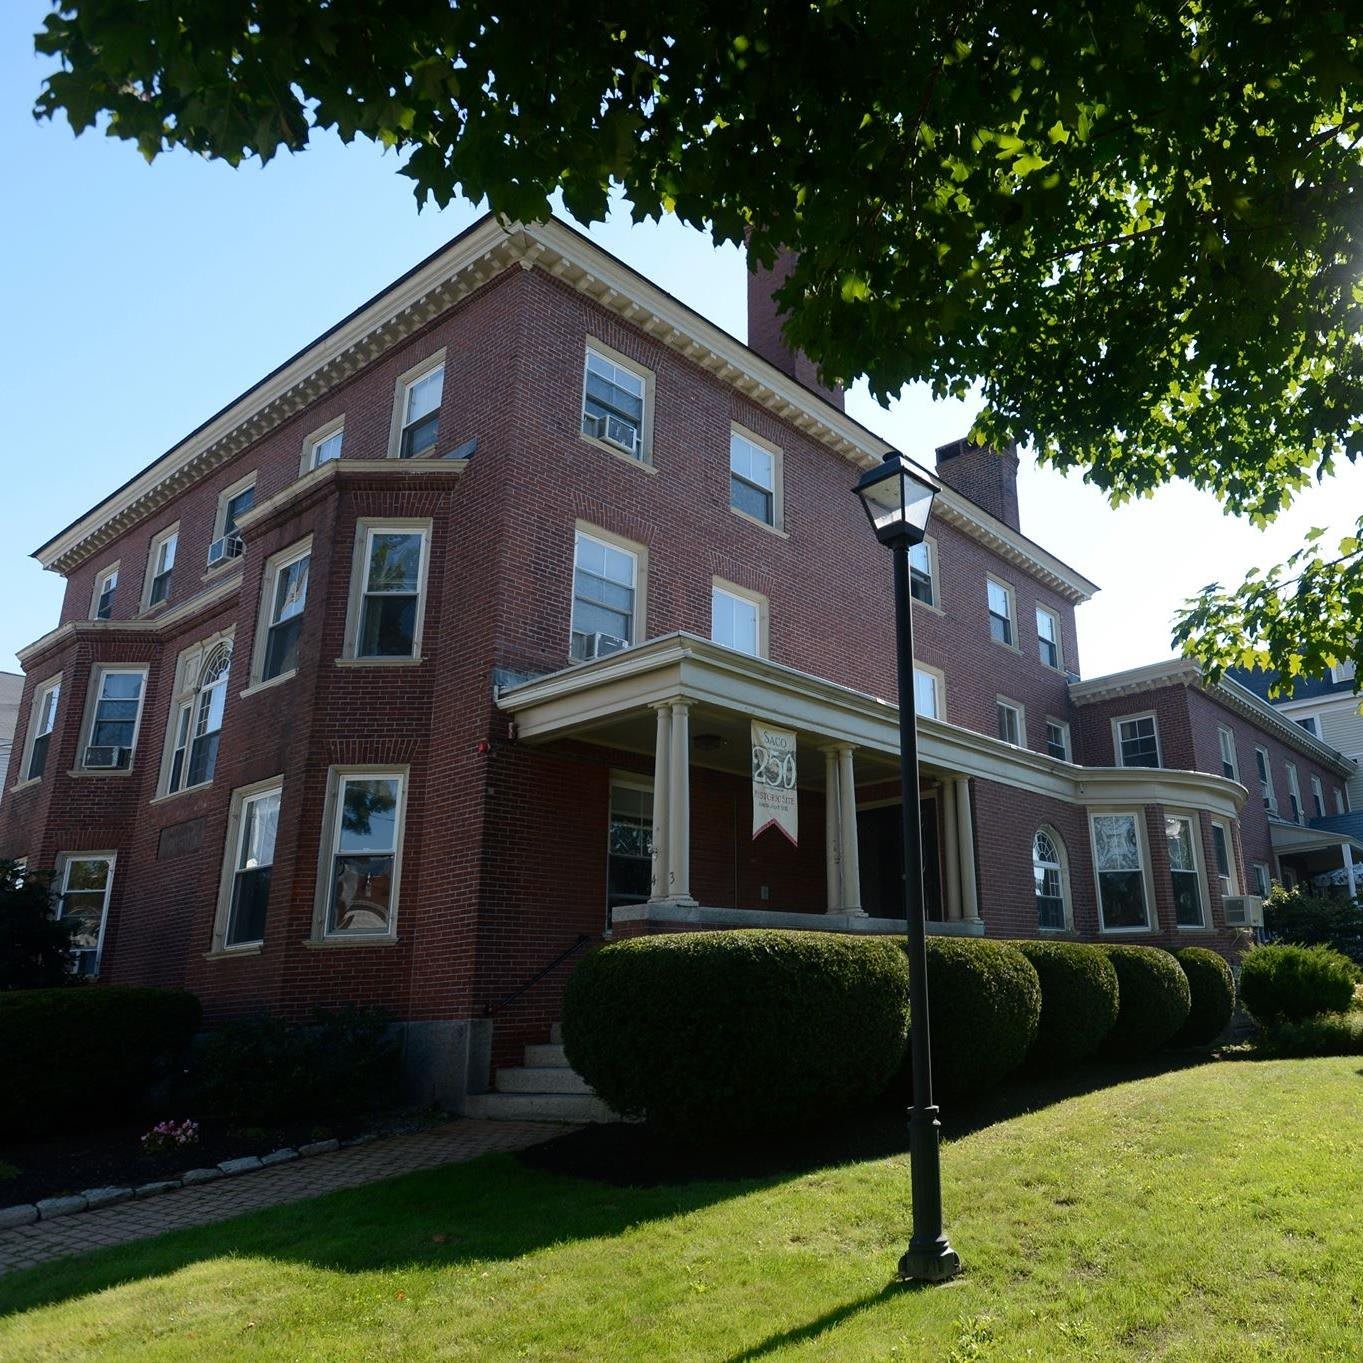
[764, 328]
[989, 478]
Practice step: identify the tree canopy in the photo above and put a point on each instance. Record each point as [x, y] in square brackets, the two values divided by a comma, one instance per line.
[1136, 229]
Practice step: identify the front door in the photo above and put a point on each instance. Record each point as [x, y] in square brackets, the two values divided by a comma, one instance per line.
[881, 847]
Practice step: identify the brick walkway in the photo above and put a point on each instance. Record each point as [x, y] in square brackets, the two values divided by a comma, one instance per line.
[25, 1246]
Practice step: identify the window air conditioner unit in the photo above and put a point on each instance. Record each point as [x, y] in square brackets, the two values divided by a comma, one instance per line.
[601, 645]
[229, 546]
[622, 434]
[1243, 910]
[594, 426]
[98, 758]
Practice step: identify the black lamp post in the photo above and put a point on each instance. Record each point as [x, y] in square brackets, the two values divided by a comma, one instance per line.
[898, 500]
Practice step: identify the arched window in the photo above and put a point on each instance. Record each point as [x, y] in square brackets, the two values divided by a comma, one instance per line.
[210, 701]
[1048, 871]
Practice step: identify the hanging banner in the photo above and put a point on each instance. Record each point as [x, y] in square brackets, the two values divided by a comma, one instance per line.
[773, 781]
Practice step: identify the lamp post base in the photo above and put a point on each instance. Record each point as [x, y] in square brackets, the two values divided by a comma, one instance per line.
[937, 1263]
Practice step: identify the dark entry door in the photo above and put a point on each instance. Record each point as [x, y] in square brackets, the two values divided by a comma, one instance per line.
[881, 846]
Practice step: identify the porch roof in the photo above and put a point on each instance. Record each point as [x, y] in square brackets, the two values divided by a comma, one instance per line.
[608, 701]
[1297, 839]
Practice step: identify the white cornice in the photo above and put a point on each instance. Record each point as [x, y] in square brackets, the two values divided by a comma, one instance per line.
[468, 262]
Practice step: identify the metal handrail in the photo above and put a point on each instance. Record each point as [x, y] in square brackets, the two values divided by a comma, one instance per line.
[582, 939]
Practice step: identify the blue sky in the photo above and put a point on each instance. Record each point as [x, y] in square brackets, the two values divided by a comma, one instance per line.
[140, 299]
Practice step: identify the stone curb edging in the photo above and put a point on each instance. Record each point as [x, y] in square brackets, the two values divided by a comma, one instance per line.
[92, 1199]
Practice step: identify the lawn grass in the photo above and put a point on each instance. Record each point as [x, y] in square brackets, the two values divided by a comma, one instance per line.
[1211, 1213]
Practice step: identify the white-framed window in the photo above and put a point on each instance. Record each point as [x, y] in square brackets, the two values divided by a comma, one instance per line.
[252, 829]
[1261, 878]
[283, 599]
[1001, 626]
[1058, 739]
[1225, 858]
[929, 692]
[102, 602]
[233, 503]
[614, 402]
[362, 852]
[754, 478]
[1180, 837]
[115, 715]
[197, 714]
[1050, 873]
[420, 413]
[1318, 796]
[629, 854]
[1225, 739]
[1341, 800]
[738, 619]
[1048, 638]
[1012, 725]
[1119, 865]
[1311, 724]
[388, 589]
[1294, 794]
[1265, 771]
[1343, 672]
[323, 445]
[160, 567]
[87, 878]
[606, 615]
[41, 726]
[923, 572]
[1136, 741]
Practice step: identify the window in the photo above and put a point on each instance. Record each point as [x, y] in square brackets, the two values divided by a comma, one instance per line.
[362, 877]
[160, 567]
[1011, 728]
[1137, 742]
[41, 726]
[1261, 879]
[251, 833]
[1178, 837]
[1265, 779]
[1343, 672]
[196, 714]
[106, 584]
[752, 479]
[613, 404]
[629, 877]
[1119, 866]
[736, 621]
[323, 446]
[1318, 796]
[420, 425]
[1294, 794]
[1048, 871]
[112, 731]
[1000, 612]
[922, 573]
[1311, 724]
[390, 586]
[1226, 739]
[1341, 802]
[1225, 866]
[1058, 740]
[1048, 637]
[605, 586]
[233, 503]
[286, 595]
[929, 690]
[86, 881]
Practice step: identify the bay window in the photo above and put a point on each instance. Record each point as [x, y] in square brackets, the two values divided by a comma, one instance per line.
[1119, 864]
[364, 845]
[1179, 838]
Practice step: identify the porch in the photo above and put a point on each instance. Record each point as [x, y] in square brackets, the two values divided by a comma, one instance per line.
[1325, 855]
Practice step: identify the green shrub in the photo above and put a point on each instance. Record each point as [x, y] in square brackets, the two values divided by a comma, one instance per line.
[1153, 997]
[85, 1056]
[712, 1033]
[1325, 1034]
[1305, 919]
[1286, 983]
[1211, 987]
[263, 1070]
[1078, 1001]
[35, 948]
[985, 999]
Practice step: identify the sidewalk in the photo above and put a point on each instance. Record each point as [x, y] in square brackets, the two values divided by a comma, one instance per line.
[26, 1246]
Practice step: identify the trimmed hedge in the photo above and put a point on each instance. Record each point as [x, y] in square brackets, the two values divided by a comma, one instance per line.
[85, 1055]
[1325, 1034]
[1078, 1001]
[1212, 989]
[985, 999]
[1287, 983]
[1154, 1001]
[712, 1033]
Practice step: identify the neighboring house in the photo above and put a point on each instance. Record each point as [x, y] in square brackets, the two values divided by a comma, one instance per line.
[11, 692]
[436, 655]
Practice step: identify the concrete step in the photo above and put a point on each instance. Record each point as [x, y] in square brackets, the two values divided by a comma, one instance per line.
[556, 1034]
[538, 1107]
[527, 1079]
[546, 1056]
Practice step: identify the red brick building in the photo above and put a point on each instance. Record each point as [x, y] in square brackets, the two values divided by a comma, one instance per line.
[436, 656]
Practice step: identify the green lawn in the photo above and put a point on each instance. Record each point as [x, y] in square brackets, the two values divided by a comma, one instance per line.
[1207, 1214]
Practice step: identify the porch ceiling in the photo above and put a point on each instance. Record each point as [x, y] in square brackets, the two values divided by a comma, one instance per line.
[1296, 839]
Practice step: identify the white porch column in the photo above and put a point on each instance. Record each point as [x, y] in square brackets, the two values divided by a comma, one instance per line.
[679, 804]
[1350, 872]
[951, 840]
[832, 810]
[851, 859]
[965, 849]
[662, 766]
